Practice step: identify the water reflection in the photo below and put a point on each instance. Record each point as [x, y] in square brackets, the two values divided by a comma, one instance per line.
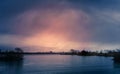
[61, 64]
[11, 67]
[66, 64]
[116, 65]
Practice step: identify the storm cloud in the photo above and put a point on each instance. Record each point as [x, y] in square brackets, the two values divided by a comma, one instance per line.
[80, 23]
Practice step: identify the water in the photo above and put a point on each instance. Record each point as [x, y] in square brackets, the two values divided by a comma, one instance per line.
[61, 64]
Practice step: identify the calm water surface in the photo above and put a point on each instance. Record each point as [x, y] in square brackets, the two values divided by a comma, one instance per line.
[61, 64]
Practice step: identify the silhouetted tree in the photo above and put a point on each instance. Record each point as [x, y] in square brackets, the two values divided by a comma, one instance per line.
[19, 50]
[51, 52]
[73, 51]
[84, 53]
[0, 50]
[116, 57]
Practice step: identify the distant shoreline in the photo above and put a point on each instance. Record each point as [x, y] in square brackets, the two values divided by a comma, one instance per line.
[57, 53]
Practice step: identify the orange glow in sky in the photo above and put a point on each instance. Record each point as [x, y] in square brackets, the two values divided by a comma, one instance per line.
[59, 30]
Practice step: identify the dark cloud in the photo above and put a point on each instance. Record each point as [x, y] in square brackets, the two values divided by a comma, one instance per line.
[20, 17]
[11, 10]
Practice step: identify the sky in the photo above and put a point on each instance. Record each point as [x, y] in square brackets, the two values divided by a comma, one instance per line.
[60, 25]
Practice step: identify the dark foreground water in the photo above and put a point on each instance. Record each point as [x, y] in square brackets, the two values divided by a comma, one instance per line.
[61, 64]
